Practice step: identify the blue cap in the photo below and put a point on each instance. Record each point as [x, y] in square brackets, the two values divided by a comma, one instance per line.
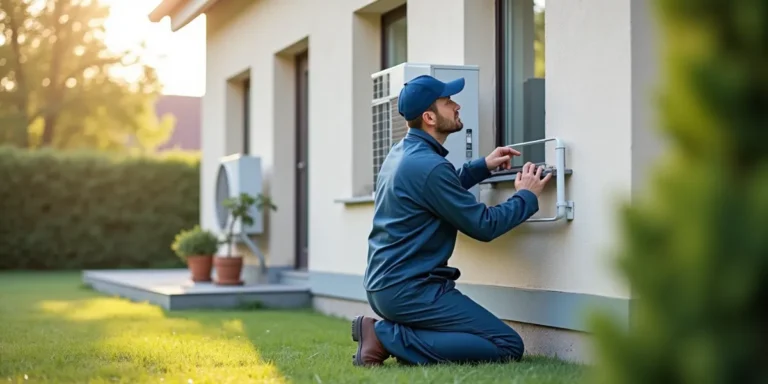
[419, 93]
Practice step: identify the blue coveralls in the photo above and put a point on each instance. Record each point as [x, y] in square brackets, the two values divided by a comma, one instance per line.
[421, 202]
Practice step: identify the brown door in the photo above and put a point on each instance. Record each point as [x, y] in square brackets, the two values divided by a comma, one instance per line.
[302, 146]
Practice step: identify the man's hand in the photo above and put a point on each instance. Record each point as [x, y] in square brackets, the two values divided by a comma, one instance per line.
[530, 179]
[500, 157]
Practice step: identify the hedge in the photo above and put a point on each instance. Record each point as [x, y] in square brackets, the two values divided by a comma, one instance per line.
[75, 210]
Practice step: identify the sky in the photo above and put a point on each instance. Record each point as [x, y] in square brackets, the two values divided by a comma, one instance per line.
[178, 57]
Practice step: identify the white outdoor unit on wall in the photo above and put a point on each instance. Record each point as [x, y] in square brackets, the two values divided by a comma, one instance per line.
[389, 127]
[237, 174]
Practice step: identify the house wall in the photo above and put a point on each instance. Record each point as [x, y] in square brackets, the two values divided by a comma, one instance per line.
[543, 274]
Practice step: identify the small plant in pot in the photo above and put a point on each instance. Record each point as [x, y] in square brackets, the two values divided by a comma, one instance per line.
[196, 247]
[230, 266]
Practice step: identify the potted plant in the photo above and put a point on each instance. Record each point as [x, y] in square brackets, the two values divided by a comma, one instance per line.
[230, 265]
[196, 247]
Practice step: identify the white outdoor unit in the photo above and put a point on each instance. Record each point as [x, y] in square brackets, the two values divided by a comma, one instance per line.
[389, 127]
[237, 174]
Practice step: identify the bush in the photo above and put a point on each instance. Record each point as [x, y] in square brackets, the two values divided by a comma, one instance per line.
[72, 210]
[195, 242]
[696, 250]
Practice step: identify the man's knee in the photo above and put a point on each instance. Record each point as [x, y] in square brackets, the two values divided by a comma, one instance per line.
[511, 345]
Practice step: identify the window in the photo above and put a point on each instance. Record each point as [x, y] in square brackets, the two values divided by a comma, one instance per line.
[520, 73]
[237, 116]
[394, 37]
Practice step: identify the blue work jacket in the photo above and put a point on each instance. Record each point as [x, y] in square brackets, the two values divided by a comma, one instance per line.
[421, 202]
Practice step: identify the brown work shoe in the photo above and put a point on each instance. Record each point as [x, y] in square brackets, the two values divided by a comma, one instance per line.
[369, 349]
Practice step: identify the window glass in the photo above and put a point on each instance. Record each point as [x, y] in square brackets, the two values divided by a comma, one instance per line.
[394, 25]
[521, 47]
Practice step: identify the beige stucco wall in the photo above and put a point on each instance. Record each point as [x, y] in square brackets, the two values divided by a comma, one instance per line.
[590, 98]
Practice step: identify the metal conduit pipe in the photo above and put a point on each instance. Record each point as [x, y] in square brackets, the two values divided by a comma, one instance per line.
[563, 208]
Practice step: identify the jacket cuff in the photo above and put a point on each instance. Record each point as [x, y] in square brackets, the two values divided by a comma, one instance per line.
[531, 201]
[479, 169]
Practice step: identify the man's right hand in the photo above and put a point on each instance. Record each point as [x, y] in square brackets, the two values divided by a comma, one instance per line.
[530, 179]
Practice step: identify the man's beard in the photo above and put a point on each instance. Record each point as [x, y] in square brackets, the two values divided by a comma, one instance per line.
[448, 126]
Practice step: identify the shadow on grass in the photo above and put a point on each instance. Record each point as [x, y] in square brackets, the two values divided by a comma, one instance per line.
[59, 331]
[56, 331]
[309, 347]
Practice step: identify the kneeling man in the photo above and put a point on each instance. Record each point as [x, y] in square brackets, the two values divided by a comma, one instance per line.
[421, 202]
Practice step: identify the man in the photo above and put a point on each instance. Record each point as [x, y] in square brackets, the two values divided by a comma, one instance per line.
[421, 202]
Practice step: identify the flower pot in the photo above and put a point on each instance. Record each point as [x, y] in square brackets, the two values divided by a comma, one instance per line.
[200, 267]
[228, 270]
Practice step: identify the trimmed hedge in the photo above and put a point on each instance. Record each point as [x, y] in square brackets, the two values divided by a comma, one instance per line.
[74, 210]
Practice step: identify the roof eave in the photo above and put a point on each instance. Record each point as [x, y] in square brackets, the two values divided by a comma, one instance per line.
[181, 12]
[165, 8]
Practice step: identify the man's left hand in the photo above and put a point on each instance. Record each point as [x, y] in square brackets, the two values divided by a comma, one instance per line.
[501, 157]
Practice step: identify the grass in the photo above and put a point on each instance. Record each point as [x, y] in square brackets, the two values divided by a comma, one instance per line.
[55, 330]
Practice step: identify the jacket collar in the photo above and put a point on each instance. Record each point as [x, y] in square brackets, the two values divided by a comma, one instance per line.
[426, 137]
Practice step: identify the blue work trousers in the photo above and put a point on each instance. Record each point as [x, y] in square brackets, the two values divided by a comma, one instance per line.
[429, 321]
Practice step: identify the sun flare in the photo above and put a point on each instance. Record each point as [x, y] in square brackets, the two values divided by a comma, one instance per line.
[179, 57]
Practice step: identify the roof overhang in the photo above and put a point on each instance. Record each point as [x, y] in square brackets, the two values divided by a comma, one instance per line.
[181, 12]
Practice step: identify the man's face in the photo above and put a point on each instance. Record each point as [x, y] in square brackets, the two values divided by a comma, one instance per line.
[448, 120]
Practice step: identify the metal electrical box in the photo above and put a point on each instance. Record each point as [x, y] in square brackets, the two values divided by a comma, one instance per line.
[389, 127]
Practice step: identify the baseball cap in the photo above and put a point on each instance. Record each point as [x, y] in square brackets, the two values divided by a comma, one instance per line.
[419, 93]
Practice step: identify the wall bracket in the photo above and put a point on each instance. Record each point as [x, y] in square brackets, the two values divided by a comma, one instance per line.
[564, 208]
[569, 210]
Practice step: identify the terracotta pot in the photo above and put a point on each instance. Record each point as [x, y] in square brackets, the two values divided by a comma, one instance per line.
[228, 270]
[200, 267]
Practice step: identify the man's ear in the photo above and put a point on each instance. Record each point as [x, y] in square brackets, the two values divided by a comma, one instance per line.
[429, 117]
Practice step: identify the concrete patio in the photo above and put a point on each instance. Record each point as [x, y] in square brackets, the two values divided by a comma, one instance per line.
[172, 289]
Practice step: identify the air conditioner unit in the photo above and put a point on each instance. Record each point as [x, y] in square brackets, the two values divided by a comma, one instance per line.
[238, 174]
[389, 127]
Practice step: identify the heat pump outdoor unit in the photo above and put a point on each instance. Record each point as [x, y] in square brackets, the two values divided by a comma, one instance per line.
[237, 174]
[389, 127]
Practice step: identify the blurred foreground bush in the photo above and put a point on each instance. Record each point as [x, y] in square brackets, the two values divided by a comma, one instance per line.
[696, 250]
[70, 210]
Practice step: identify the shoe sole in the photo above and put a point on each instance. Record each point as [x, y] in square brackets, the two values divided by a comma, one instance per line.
[357, 336]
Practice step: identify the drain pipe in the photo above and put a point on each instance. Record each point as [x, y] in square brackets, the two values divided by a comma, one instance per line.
[563, 208]
[256, 251]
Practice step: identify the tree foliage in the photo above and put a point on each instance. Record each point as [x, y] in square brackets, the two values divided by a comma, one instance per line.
[61, 86]
[696, 251]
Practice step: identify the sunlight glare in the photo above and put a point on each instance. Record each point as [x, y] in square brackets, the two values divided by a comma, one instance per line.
[178, 57]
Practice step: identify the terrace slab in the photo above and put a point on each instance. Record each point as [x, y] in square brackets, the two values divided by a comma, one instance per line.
[172, 289]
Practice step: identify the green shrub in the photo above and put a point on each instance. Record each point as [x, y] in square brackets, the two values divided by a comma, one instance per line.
[72, 210]
[239, 208]
[195, 242]
[696, 250]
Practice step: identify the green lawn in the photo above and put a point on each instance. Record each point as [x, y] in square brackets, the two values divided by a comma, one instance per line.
[54, 330]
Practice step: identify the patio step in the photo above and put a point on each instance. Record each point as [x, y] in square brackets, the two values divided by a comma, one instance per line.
[172, 289]
[294, 277]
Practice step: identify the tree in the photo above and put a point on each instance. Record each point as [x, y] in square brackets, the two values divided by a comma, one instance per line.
[13, 80]
[64, 82]
[696, 251]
